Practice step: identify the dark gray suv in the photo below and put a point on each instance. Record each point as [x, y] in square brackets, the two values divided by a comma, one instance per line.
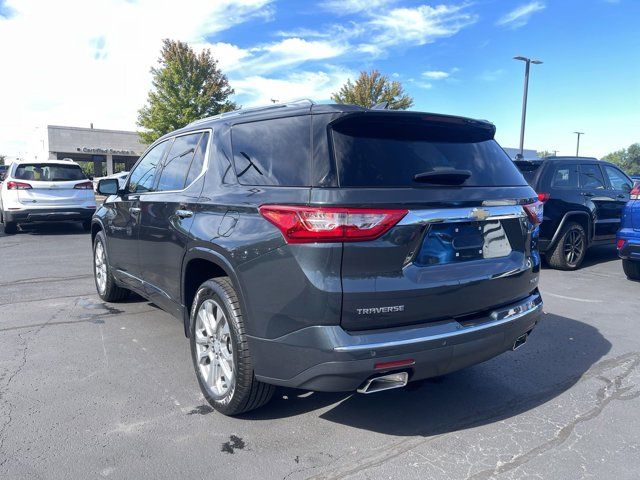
[326, 247]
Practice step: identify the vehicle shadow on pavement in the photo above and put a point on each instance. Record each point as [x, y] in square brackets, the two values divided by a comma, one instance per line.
[595, 256]
[554, 359]
[58, 228]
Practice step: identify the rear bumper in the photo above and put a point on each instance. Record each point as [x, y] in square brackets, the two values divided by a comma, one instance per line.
[327, 358]
[48, 215]
[631, 248]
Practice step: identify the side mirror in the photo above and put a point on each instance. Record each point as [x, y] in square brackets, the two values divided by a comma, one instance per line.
[2, 177]
[108, 186]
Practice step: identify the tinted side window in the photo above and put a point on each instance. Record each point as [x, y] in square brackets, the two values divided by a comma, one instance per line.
[591, 176]
[176, 166]
[198, 159]
[143, 175]
[273, 152]
[565, 176]
[618, 180]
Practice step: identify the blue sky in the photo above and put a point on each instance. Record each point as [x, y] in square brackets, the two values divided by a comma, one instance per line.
[451, 56]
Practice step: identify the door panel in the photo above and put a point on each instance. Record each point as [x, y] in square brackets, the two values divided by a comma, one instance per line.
[166, 219]
[594, 188]
[619, 188]
[124, 222]
[122, 243]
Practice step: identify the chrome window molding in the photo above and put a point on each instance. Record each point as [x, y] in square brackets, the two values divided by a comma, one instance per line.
[205, 164]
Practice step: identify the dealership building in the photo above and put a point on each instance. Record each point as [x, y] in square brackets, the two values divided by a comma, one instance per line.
[108, 151]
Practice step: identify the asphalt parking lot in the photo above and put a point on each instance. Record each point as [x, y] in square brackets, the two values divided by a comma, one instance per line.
[90, 390]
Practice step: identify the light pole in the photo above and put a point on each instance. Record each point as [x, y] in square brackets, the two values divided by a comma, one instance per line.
[528, 62]
[578, 143]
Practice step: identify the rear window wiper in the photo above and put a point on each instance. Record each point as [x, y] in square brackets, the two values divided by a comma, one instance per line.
[443, 177]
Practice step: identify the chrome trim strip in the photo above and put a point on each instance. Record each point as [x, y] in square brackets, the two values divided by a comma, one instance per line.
[451, 215]
[441, 336]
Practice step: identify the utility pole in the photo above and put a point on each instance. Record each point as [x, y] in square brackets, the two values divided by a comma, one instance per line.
[528, 62]
[578, 143]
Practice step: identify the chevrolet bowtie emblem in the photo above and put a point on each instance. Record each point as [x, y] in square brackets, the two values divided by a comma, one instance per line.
[479, 214]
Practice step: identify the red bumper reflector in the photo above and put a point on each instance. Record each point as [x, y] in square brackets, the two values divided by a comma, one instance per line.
[620, 243]
[394, 364]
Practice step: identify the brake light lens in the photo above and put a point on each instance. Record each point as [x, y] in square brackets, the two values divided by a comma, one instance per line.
[543, 197]
[17, 185]
[634, 194]
[330, 224]
[84, 186]
[535, 211]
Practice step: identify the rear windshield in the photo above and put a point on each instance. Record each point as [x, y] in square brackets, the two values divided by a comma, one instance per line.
[388, 150]
[528, 170]
[49, 172]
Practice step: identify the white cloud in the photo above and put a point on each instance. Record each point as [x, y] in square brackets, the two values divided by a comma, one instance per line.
[74, 62]
[274, 56]
[492, 75]
[419, 25]
[435, 74]
[319, 85]
[345, 7]
[520, 16]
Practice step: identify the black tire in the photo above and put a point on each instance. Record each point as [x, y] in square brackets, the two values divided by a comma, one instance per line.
[568, 253]
[631, 269]
[10, 228]
[86, 225]
[246, 393]
[112, 292]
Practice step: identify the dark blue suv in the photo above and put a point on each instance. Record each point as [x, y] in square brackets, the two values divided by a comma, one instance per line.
[628, 239]
[326, 247]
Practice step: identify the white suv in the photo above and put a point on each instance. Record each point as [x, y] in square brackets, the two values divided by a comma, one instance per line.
[45, 191]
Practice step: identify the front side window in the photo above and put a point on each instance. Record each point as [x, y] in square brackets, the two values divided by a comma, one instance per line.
[176, 166]
[617, 179]
[591, 177]
[143, 175]
[565, 176]
[52, 172]
[273, 152]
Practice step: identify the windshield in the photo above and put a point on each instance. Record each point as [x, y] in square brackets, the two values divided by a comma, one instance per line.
[390, 150]
[51, 172]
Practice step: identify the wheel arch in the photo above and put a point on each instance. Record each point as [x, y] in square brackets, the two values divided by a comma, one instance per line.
[201, 264]
[580, 217]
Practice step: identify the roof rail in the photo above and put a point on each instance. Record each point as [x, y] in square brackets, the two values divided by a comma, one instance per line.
[261, 108]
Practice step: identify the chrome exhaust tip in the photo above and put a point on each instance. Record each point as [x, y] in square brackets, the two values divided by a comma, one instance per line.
[384, 382]
[521, 340]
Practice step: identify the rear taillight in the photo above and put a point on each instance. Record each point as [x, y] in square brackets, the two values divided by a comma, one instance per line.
[620, 243]
[634, 194]
[534, 212]
[329, 224]
[84, 186]
[543, 197]
[17, 185]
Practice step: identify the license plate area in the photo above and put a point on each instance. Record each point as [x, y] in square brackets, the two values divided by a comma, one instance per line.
[463, 241]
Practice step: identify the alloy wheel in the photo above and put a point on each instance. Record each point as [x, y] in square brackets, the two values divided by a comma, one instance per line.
[100, 261]
[573, 247]
[214, 348]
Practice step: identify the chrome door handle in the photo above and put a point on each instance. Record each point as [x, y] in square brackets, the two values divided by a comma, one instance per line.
[134, 210]
[184, 213]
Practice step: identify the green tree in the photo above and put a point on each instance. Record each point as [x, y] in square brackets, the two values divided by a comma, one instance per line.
[371, 88]
[186, 87]
[545, 153]
[627, 158]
